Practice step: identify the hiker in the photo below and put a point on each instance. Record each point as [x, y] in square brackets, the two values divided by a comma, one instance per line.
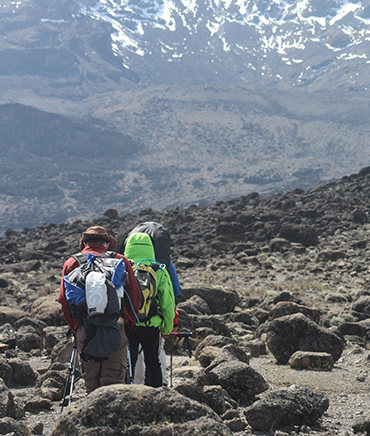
[161, 242]
[111, 369]
[139, 248]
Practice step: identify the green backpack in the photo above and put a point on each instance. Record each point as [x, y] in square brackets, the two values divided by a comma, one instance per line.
[147, 281]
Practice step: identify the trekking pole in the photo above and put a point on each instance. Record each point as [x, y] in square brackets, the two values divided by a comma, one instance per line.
[73, 375]
[171, 364]
[71, 371]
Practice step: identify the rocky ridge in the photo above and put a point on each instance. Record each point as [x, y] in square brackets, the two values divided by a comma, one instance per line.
[258, 273]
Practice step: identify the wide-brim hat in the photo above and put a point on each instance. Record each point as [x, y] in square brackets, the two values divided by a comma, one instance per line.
[100, 233]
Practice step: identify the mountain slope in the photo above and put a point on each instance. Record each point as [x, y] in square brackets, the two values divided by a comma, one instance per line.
[158, 104]
[171, 146]
[81, 46]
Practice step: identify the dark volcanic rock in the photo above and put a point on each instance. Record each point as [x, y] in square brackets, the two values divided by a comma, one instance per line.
[296, 332]
[311, 360]
[283, 407]
[10, 426]
[214, 396]
[283, 308]
[219, 300]
[10, 315]
[302, 234]
[28, 339]
[214, 341]
[139, 410]
[240, 380]
[362, 305]
[8, 406]
[22, 373]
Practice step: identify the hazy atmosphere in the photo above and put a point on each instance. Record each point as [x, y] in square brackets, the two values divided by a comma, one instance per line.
[164, 104]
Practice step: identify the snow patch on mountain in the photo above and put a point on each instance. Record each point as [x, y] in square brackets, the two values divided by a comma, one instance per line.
[257, 37]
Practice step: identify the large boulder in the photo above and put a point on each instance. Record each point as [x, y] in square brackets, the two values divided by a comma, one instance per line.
[22, 372]
[210, 321]
[51, 384]
[10, 426]
[303, 234]
[195, 305]
[283, 308]
[10, 315]
[286, 407]
[219, 300]
[311, 360]
[241, 381]
[55, 335]
[28, 338]
[214, 396]
[8, 406]
[292, 333]
[37, 324]
[213, 341]
[362, 304]
[218, 355]
[138, 410]
[48, 310]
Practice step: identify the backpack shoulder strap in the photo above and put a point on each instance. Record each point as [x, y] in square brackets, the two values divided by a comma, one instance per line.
[155, 266]
[80, 257]
[107, 254]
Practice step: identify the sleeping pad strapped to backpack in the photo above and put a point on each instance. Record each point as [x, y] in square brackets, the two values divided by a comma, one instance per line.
[94, 292]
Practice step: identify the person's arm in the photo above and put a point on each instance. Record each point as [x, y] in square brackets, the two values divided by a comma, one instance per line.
[69, 266]
[132, 305]
[175, 280]
[166, 301]
[176, 321]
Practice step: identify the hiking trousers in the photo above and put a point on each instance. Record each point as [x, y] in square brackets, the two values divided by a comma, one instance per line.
[140, 365]
[148, 337]
[106, 372]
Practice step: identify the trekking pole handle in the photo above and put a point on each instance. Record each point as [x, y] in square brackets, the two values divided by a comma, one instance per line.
[181, 334]
[185, 335]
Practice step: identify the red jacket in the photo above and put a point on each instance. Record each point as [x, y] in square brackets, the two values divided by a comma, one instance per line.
[131, 287]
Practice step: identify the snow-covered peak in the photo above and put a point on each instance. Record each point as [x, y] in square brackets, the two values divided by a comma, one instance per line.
[252, 39]
[289, 42]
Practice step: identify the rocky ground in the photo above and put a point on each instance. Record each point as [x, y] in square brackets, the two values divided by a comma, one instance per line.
[307, 247]
[347, 384]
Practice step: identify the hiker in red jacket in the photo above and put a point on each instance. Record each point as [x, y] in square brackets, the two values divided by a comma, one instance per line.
[96, 240]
